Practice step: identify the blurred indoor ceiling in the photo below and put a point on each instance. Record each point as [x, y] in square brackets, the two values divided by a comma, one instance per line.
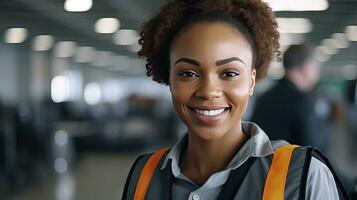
[49, 17]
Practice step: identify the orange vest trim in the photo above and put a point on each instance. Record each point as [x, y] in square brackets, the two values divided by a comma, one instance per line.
[274, 185]
[147, 173]
[275, 182]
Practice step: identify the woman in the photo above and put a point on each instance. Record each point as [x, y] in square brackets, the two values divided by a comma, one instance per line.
[210, 54]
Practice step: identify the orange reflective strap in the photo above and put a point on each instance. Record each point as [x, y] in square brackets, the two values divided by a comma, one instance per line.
[275, 182]
[146, 174]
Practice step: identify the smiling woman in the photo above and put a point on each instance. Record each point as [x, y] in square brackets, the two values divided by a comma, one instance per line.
[210, 54]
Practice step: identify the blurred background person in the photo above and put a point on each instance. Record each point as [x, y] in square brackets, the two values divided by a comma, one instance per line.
[290, 110]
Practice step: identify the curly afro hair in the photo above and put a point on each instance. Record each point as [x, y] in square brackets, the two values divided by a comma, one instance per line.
[253, 18]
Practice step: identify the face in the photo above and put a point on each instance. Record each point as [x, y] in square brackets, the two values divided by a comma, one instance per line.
[311, 72]
[211, 78]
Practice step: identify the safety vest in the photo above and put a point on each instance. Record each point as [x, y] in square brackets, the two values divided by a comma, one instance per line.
[275, 182]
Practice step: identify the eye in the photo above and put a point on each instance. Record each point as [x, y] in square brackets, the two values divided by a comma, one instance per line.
[188, 74]
[229, 74]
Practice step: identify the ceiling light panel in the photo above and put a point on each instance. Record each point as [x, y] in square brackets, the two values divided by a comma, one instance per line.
[15, 35]
[299, 5]
[294, 25]
[78, 5]
[106, 25]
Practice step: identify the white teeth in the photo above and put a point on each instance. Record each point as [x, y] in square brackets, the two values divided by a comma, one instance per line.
[209, 112]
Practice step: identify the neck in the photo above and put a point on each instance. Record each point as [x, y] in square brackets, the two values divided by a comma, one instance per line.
[203, 158]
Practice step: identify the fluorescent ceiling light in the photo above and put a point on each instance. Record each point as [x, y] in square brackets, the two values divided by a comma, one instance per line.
[15, 35]
[341, 40]
[106, 25]
[84, 54]
[327, 50]
[330, 43]
[294, 25]
[135, 47]
[77, 5]
[298, 5]
[351, 33]
[42, 43]
[287, 39]
[125, 37]
[65, 49]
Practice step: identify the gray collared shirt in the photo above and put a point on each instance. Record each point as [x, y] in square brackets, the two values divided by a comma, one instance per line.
[320, 181]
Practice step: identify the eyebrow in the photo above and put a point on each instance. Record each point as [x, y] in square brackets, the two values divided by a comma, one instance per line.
[228, 60]
[218, 62]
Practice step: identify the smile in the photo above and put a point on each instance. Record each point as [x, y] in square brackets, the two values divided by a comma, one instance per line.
[209, 112]
[209, 115]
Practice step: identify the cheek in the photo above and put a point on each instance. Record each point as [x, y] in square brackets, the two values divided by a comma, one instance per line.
[238, 94]
[179, 93]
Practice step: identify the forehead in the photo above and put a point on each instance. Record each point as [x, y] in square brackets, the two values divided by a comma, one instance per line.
[211, 41]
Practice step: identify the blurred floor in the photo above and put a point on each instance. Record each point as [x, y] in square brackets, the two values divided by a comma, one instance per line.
[98, 176]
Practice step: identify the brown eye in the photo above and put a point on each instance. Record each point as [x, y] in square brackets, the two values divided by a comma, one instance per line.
[230, 74]
[188, 74]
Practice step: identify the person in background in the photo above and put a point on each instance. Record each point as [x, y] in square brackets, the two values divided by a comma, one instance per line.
[290, 110]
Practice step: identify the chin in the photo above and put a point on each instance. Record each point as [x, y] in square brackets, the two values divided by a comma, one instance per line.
[207, 133]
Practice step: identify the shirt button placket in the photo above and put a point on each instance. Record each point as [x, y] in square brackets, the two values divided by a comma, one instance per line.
[195, 197]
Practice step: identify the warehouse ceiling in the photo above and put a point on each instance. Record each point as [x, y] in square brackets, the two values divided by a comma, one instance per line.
[49, 17]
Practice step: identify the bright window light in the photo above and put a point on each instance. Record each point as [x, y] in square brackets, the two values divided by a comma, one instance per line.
[15, 35]
[60, 89]
[341, 40]
[299, 5]
[351, 33]
[77, 5]
[42, 43]
[125, 37]
[294, 25]
[65, 49]
[112, 91]
[106, 25]
[84, 54]
[92, 93]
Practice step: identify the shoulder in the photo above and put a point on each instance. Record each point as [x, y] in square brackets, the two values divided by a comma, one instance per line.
[133, 175]
[320, 183]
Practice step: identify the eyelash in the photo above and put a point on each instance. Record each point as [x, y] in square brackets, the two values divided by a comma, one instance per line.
[226, 74]
[188, 74]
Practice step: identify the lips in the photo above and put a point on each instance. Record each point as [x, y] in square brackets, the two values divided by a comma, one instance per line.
[209, 115]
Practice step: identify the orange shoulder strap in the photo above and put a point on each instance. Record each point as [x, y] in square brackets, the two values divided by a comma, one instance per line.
[275, 182]
[146, 174]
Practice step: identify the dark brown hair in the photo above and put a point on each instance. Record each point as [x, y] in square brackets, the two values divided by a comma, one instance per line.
[296, 55]
[253, 18]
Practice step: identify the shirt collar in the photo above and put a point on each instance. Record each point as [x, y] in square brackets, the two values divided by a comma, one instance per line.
[258, 145]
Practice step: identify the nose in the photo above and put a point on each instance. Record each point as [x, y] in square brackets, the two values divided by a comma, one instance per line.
[208, 88]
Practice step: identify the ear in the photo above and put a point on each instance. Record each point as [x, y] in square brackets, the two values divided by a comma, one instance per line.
[252, 82]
